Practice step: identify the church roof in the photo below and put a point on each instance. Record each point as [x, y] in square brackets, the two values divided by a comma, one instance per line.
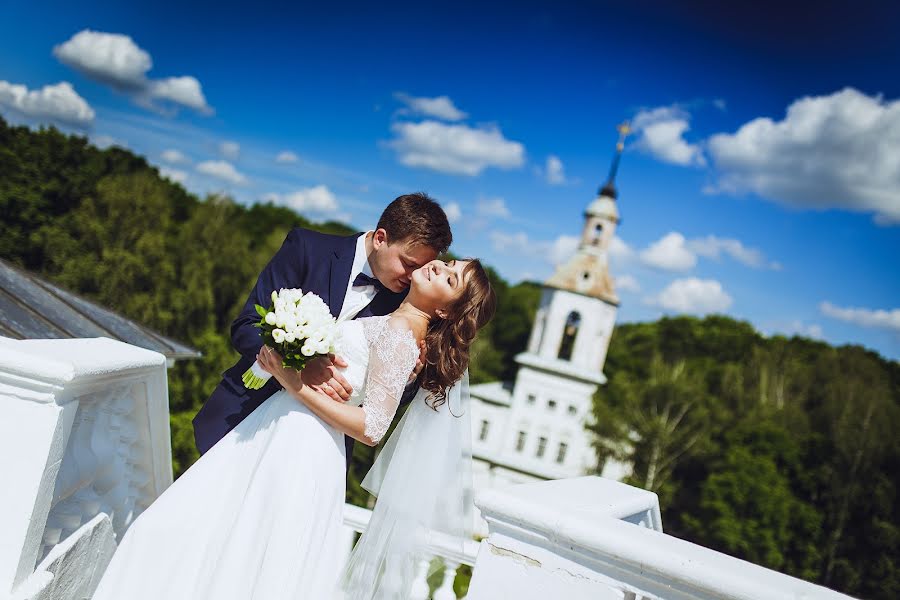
[603, 206]
[33, 308]
[585, 273]
[496, 392]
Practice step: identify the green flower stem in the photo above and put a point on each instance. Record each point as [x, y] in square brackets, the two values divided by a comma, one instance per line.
[252, 381]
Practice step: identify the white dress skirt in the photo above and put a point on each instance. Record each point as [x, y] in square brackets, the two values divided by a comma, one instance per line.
[260, 515]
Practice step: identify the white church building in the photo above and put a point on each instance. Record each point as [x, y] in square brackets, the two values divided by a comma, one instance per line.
[533, 429]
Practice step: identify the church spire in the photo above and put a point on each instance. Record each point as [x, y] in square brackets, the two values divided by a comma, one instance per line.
[587, 272]
[609, 188]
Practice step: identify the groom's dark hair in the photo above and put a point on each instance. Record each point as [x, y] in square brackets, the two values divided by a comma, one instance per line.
[417, 219]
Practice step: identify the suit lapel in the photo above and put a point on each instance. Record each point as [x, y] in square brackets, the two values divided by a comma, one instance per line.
[339, 277]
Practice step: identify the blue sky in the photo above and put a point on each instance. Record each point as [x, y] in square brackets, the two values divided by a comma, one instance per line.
[762, 181]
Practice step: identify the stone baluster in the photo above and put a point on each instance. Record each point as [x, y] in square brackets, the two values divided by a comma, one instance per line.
[419, 589]
[445, 591]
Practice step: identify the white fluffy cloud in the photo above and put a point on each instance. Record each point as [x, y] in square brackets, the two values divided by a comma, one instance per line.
[457, 149]
[627, 283]
[453, 211]
[865, 317]
[230, 150]
[492, 208]
[692, 295]
[57, 103]
[554, 170]
[836, 151]
[661, 133]
[175, 175]
[108, 57]
[223, 170]
[176, 157]
[674, 253]
[512, 242]
[286, 157]
[619, 250]
[669, 253]
[554, 252]
[318, 199]
[810, 330]
[116, 60]
[185, 90]
[105, 141]
[440, 107]
[563, 248]
[713, 247]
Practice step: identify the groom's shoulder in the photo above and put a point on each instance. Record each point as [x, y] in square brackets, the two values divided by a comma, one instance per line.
[319, 238]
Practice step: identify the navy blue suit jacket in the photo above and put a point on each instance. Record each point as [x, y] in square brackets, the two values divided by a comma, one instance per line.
[315, 262]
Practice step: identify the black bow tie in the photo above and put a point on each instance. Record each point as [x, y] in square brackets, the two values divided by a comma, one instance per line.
[363, 279]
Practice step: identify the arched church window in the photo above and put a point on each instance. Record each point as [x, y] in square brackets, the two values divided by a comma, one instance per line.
[573, 322]
[485, 425]
[598, 231]
[520, 441]
[542, 447]
[561, 452]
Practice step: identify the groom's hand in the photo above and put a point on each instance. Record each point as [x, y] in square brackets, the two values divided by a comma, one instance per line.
[420, 364]
[321, 374]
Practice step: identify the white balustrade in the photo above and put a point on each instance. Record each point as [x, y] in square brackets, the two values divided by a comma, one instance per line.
[446, 550]
[593, 538]
[84, 436]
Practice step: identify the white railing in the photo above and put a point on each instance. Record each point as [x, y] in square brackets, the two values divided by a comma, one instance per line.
[356, 519]
[592, 538]
[84, 435]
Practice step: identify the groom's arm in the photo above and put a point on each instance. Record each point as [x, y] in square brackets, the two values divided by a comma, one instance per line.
[286, 269]
[412, 388]
[412, 385]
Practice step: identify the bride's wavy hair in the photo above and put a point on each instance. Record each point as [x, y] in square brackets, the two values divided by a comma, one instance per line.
[448, 340]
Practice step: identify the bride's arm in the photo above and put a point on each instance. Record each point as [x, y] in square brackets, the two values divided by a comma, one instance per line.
[350, 420]
[347, 419]
[392, 357]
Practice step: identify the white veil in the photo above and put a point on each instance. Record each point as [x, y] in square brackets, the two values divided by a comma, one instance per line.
[423, 480]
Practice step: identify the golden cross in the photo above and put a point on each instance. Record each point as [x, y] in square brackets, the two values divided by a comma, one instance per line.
[624, 128]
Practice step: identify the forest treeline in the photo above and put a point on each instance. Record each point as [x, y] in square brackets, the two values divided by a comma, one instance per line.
[782, 451]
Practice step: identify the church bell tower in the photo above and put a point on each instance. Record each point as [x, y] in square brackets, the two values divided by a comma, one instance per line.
[535, 429]
[578, 306]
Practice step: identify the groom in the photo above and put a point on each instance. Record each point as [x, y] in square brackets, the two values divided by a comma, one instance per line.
[366, 274]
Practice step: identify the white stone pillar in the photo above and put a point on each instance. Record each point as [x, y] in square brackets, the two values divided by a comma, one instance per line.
[84, 436]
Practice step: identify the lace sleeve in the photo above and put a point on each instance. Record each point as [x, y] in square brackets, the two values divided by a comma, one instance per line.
[392, 356]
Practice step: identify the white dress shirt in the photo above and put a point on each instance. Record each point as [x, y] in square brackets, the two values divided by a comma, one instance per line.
[358, 297]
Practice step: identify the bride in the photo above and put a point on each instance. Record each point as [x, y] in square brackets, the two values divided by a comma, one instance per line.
[259, 516]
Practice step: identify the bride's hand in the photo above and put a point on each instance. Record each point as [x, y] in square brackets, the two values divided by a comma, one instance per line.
[271, 361]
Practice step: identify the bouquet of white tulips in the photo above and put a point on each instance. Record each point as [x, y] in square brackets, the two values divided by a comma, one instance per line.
[298, 326]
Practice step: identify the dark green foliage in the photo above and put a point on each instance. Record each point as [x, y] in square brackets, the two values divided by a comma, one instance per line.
[780, 451]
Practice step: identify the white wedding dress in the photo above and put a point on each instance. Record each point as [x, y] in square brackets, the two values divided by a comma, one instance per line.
[259, 516]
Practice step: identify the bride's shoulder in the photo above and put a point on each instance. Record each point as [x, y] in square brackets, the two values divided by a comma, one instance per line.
[389, 328]
[399, 322]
